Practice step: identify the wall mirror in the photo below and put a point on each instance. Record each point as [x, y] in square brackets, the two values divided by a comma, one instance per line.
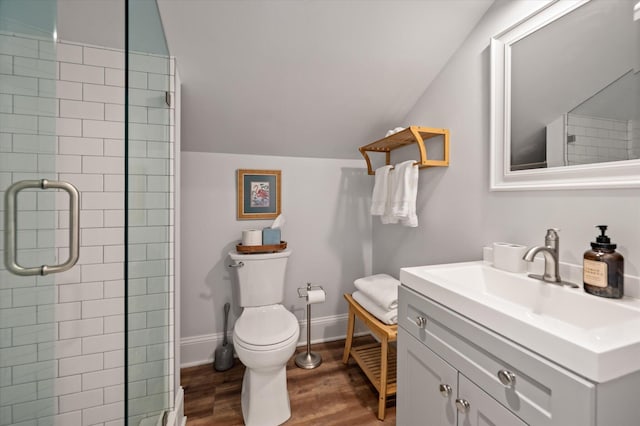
[565, 98]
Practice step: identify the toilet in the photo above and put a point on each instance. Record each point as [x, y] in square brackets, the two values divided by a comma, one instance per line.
[264, 336]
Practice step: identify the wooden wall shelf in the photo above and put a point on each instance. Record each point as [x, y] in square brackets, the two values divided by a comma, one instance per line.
[410, 135]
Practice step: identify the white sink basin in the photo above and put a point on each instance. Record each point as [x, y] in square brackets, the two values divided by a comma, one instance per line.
[594, 337]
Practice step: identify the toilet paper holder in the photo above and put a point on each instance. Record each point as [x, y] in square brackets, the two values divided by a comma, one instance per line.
[308, 360]
[302, 291]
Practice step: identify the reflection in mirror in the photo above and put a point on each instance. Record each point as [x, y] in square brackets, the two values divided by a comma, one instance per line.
[575, 91]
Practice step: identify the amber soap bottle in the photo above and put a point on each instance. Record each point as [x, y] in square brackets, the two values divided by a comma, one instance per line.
[603, 268]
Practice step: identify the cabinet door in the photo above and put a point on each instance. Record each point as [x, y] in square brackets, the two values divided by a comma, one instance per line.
[482, 409]
[426, 385]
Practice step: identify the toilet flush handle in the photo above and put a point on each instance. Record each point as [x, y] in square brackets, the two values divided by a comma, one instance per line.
[237, 265]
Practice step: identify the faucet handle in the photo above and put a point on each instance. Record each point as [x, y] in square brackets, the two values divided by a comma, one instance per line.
[552, 239]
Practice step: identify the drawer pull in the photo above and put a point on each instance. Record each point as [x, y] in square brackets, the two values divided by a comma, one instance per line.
[462, 405]
[445, 390]
[506, 377]
[421, 321]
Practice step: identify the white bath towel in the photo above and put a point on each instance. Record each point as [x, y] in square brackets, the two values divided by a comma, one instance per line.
[387, 217]
[386, 316]
[403, 194]
[380, 191]
[382, 289]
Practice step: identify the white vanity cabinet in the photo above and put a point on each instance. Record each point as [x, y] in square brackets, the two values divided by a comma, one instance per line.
[502, 383]
[429, 385]
[433, 393]
[481, 409]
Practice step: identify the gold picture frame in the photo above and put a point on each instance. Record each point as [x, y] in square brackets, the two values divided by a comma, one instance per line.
[259, 194]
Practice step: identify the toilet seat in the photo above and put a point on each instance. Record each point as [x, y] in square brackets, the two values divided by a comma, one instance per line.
[265, 328]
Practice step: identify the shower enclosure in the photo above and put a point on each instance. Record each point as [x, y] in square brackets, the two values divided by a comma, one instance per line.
[86, 181]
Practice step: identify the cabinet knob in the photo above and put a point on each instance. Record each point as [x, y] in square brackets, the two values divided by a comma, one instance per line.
[445, 390]
[506, 377]
[421, 321]
[462, 405]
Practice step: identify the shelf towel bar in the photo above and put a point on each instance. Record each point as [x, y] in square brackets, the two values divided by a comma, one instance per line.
[410, 135]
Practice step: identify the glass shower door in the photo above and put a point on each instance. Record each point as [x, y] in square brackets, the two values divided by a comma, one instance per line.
[31, 210]
[148, 246]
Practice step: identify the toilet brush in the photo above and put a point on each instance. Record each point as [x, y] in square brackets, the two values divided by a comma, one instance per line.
[224, 354]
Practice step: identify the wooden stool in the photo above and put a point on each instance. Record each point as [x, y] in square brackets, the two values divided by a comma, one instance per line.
[377, 360]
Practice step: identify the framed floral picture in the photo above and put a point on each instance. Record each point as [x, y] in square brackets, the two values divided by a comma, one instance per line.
[259, 195]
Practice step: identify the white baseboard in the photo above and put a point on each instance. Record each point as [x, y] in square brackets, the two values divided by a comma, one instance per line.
[199, 350]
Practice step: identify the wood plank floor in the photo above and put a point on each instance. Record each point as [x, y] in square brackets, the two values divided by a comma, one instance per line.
[331, 394]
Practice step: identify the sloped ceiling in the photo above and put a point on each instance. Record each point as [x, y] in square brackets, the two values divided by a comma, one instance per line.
[97, 22]
[310, 78]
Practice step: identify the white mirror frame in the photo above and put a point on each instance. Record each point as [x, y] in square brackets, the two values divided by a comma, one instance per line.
[617, 174]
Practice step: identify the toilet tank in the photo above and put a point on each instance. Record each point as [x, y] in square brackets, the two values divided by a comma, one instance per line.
[261, 277]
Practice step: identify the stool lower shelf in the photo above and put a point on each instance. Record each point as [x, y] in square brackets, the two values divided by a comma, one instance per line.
[368, 358]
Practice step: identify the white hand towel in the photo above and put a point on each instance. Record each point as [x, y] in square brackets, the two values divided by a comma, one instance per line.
[399, 197]
[403, 191]
[382, 289]
[387, 317]
[380, 191]
[411, 195]
[387, 217]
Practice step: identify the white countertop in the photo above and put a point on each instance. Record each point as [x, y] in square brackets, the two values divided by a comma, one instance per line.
[594, 337]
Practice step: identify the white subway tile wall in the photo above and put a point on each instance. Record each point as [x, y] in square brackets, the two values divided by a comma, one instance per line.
[62, 337]
[597, 140]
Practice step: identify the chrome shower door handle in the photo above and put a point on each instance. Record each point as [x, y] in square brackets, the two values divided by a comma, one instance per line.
[11, 225]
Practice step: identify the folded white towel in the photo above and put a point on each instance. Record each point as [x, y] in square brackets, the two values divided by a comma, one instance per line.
[394, 131]
[382, 289]
[380, 191]
[386, 316]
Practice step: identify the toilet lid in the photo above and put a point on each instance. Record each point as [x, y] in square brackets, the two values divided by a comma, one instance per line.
[265, 325]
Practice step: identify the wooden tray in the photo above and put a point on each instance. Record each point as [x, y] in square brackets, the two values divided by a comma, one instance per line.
[261, 249]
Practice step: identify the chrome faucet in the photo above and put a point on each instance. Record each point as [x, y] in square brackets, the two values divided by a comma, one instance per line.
[550, 251]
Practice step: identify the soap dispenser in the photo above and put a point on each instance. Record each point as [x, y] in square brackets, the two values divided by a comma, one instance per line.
[603, 268]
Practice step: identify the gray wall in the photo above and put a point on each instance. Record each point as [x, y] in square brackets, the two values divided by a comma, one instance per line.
[457, 213]
[328, 229]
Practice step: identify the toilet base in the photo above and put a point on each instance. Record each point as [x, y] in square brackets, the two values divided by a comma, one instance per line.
[265, 399]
